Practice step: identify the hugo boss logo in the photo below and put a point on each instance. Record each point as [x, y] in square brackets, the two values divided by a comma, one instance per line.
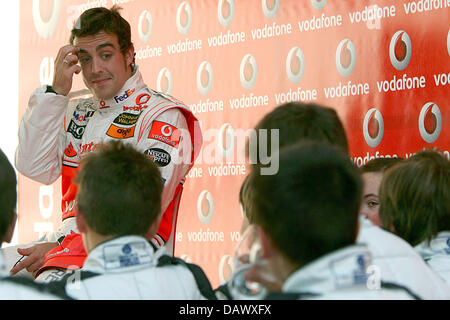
[159, 156]
[75, 129]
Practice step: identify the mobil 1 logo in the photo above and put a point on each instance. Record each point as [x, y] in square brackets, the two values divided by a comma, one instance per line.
[159, 156]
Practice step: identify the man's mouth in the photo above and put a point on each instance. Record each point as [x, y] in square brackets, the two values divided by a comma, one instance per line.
[101, 81]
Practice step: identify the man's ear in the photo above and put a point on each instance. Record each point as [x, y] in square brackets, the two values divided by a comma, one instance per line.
[266, 245]
[10, 231]
[80, 220]
[129, 55]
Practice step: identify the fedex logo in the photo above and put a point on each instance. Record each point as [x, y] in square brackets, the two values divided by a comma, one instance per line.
[127, 93]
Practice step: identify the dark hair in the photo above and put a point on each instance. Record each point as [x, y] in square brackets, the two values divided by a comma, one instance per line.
[415, 197]
[245, 198]
[95, 20]
[119, 190]
[310, 207]
[8, 194]
[379, 164]
[297, 121]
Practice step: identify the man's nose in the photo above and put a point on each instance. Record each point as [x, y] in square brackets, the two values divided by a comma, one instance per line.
[96, 65]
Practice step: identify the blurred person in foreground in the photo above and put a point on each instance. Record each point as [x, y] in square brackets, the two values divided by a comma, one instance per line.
[118, 202]
[307, 228]
[396, 259]
[415, 205]
[15, 288]
[56, 132]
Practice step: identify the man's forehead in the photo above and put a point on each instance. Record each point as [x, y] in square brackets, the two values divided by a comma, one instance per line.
[96, 42]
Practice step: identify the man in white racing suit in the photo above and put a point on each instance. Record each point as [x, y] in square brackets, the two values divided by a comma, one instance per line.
[56, 133]
[118, 203]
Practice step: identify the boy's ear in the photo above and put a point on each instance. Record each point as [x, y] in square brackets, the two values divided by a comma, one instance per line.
[80, 220]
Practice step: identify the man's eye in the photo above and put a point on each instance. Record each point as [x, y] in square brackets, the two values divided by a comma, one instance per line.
[372, 203]
[84, 60]
[106, 56]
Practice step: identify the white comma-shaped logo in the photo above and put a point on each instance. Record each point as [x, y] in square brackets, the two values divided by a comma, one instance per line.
[295, 64]
[270, 8]
[164, 81]
[145, 17]
[205, 206]
[225, 12]
[248, 71]
[184, 17]
[205, 78]
[345, 57]
[318, 4]
[373, 127]
[400, 50]
[46, 28]
[430, 122]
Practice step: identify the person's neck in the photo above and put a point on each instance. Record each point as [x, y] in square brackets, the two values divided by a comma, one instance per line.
[93, 239]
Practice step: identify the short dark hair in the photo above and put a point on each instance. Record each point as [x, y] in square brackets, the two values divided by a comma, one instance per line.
[310, 207]
[245, 198]
[297, 121]
[379, 164]
[8, 194]
[415, 197]
[119, 190]
[95, 20]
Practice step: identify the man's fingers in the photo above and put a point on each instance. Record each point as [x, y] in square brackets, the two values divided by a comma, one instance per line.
[35, 266]
[25, 252]
[25, 263]
[66, 50]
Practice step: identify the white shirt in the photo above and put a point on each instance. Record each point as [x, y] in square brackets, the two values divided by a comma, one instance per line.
[398, 262]
[437, 254]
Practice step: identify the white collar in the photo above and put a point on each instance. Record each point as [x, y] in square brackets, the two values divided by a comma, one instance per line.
[120, 254]
[340, 269]
[438, 245]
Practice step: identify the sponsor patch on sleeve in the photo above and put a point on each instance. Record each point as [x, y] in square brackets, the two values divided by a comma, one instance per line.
[166, 133]
[159, 156]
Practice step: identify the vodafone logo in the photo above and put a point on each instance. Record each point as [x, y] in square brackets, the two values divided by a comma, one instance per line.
[145, 26]
[227, 140]
[204, 78]
[46, 28]
[345, 57]
[225, 268]
[270, 8]
[448, 42]
[318, 4]
[184, 17]
[167, 130]
[295, 64]
[164, 81]
[400, 50]
[373, 127]
[225, 12]
[248, 71]
[205, 206]
[430, 122]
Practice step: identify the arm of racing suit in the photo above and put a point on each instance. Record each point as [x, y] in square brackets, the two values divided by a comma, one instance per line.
[173, 155]
[41, 137]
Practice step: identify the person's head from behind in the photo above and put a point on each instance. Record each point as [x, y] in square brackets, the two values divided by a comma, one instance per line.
[309, 208]
[415, 197]
[106, 53]
[245, 201]
[372, 174]
[297, 121]
[119, 193]
[8, 199]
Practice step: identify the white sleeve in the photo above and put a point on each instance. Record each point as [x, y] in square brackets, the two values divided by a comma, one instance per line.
[41, 137]
[174, 161]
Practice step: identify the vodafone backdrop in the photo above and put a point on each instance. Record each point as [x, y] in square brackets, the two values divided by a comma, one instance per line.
[383, 65]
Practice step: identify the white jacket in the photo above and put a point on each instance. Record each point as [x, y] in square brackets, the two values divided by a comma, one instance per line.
[398, 262]
[127, 268]
[21, 289]
[345, 275]
[437, 254]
